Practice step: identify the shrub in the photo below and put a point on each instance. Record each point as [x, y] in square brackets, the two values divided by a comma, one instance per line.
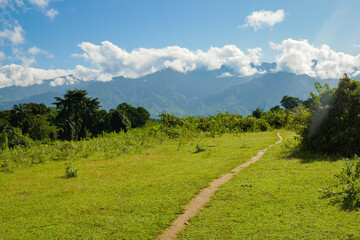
[262, 124]
[14, 137]
[335, 124]
[71, 170]
[199, 148]
[170, 120]
[347, 191]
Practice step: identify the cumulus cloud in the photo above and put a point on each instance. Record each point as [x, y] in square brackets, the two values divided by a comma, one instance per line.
[35, 51]
[40, 3]
[11, 3]
[14, 35]
[262, 19]
[19, 75]
[110, 59]
[300, 57]
[225, 75]
[51, 13]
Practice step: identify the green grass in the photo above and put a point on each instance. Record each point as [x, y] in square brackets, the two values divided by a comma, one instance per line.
[277, 198]
[116, 195]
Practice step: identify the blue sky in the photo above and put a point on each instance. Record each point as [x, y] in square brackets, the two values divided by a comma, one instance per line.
[42, 35]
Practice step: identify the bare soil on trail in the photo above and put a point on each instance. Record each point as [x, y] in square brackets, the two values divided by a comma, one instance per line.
[198, 202]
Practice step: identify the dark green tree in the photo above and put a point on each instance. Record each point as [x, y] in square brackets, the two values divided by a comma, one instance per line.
[290, 102]
[335, 124]
[42, 129]
[100, 124]
[137, 116]
[23, 115]
[77, 114]
[117, 121]
[258, 113]
[6, 115]
[276, 108]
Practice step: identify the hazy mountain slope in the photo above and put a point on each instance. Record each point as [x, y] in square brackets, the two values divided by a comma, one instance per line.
[199, 92]
[264, 92]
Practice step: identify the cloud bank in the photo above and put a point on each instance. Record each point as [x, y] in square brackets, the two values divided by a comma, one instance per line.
[262, 19]
[300, 57]
[108, 60]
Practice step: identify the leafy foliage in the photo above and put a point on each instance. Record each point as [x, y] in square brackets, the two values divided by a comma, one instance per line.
[77, 114]
[347, 190]
[290, 102]
[71, 170]
[335, 124]
[136, 116]
[117, 121]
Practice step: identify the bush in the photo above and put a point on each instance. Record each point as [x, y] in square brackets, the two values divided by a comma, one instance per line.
[199, 148]
[170, 120]
[13, 138]
[347, 191]
[71, 170]
[335, 124]
[262, 124]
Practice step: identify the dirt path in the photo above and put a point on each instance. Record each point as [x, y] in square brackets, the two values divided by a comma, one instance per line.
[197, 203]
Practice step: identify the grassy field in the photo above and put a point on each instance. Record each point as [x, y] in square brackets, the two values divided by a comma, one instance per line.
[277, 198]
[130, 196]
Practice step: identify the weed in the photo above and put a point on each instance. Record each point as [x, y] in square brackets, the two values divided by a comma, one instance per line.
[199, 148]
[71, 170]
[347, 190]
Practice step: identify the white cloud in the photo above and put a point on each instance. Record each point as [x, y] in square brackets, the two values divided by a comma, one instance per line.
[300, 57]
[19, 75]
[35, 51]
[15, 35]
[262, 19]
[2, 56]
[40, 3]
[51, 13]
[225, 75]
[108, 58]
[109, 61]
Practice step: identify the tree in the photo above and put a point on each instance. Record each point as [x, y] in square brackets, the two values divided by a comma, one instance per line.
[6, 115]
[290, 102]
[335, 124]
[137, 116]
[276, 108]
[258, 113]
[23, 115]
[117, 121]
[100, 122]
[41, 128]
[77, 114]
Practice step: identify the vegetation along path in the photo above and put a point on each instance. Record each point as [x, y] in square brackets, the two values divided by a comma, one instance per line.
[198, 202]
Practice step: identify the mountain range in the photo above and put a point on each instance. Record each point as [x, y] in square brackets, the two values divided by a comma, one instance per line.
[199, 92]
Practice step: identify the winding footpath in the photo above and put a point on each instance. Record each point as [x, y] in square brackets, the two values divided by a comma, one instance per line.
[198, 202]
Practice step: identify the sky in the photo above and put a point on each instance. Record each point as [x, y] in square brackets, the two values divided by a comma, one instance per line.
[93, 40]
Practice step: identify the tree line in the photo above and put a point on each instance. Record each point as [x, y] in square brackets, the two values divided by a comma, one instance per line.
[327, 122]
[75, 117]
